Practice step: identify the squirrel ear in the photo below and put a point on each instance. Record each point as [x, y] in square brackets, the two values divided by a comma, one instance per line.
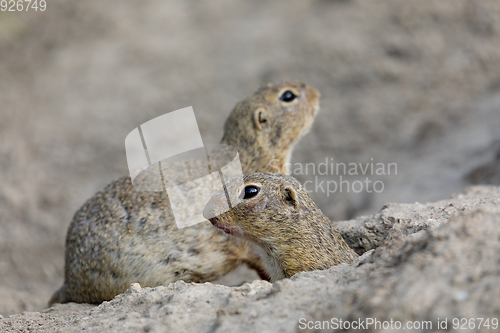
[261, 118]
[289, 195]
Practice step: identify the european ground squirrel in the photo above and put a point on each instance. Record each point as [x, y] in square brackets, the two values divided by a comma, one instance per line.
[277, 214]
[121, 236]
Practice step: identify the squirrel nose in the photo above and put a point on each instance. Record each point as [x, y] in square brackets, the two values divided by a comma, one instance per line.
[215, 206]
[207, 211]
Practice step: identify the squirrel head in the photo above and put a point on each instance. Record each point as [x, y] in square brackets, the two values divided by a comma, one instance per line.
[265, 126]
[277, 214]
[273, 209]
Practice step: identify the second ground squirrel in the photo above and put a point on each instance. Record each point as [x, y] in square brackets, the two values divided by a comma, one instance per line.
[277, 214]
[121, 236]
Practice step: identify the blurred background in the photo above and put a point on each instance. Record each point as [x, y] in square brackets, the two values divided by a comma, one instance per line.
[407, 82]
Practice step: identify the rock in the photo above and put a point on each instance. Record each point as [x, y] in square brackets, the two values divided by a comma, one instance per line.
[367, 232]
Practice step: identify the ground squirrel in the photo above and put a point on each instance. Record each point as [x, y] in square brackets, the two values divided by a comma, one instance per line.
[278, 215]
[121, 236]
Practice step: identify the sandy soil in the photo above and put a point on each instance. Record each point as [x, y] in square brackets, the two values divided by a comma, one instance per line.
[402, 82]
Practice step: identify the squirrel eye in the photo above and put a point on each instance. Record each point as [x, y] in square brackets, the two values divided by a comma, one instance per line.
[250, 191]
[288, 96]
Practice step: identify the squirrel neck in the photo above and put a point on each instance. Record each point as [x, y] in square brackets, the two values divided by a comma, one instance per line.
[315, 250]
[256, 159]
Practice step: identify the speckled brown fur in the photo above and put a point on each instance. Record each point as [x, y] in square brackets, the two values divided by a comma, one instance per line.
[293, 234]
[121, 236]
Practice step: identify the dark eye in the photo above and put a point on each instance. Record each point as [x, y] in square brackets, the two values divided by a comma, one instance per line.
[288, 96]
[250, 191]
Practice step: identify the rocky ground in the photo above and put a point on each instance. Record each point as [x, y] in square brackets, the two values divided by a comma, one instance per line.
[402, 82]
